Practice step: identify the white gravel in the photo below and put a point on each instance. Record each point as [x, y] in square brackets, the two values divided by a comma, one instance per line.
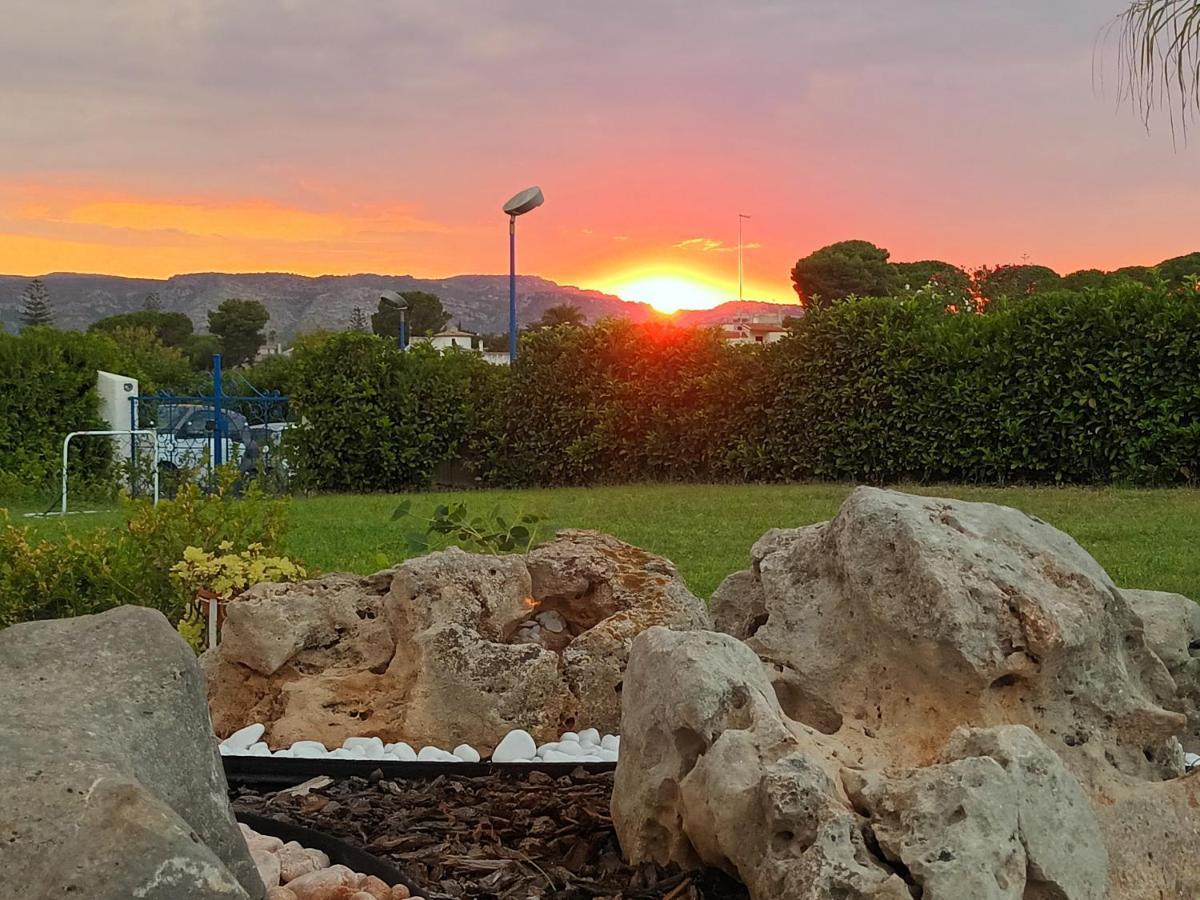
[518, 746]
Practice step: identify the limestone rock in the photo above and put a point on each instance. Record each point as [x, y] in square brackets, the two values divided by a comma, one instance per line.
[609, 592]
[1172, 629]
[1064, 846]
[906, 618]
[112, 784]
[711, 773]
[451, 614]
[448, 648]
[913, 615]
[953, 826]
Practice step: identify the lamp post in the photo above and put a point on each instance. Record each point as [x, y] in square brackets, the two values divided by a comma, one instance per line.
[741, 269]
[529, 199]
[396, 302]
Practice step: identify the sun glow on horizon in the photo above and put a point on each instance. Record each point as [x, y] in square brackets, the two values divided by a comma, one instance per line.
[668, 292]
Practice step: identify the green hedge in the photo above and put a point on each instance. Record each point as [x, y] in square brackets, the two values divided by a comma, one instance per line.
[370, 418]
[47, 389]
[1065, 387]
[1089, 387]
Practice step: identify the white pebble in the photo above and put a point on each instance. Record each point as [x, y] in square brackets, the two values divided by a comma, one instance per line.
[371, 747]
[429, 754]
[259, 749]
[589, 737]
[466, 753]
[546, 748]
[607, 755]
[569, 736]
[1191, 760]
[244, 737]
[342, 753]
[570, 748]
[308, 749]
[402, 752]
[610, 742]
[516, 745]
[284, 754]
[555, 756]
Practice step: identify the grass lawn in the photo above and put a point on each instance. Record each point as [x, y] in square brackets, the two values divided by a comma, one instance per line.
[1144, 538]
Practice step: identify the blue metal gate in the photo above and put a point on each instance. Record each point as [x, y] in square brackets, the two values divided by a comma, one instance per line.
[197, 433]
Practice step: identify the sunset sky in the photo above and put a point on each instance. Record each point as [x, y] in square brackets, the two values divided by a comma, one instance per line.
[147, 137]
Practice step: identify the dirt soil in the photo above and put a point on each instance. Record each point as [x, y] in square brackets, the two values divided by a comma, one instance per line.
[518, 836]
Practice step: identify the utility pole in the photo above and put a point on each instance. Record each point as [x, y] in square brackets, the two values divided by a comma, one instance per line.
[741, 267]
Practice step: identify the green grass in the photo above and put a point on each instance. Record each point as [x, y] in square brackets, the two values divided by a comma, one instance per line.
[1144, 538]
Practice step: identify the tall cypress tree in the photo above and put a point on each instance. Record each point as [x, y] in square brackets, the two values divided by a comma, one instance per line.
[35, 305]
[358, 320]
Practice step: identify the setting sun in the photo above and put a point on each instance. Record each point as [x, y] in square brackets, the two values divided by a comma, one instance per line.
[668, 293]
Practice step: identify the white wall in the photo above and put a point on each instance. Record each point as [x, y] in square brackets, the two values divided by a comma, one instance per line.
[115, 408]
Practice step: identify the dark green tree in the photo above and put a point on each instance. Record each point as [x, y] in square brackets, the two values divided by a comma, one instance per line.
[1140, 274]
[239, 326]
[835, 272]
[949, 283]
[1012, 282]
[425, 315]
[358, 320]
[1086, 279]
[562, 314]
[173, 328]
[1180, 271]
[35, 305]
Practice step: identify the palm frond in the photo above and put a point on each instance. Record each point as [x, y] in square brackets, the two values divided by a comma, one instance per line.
[1159, 59]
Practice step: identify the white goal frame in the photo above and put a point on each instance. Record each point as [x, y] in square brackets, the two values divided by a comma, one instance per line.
[130, 432]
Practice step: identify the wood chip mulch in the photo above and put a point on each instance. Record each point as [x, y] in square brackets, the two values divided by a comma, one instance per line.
[518, 836]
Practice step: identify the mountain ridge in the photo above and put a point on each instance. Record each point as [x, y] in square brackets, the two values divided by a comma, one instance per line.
[299, 303]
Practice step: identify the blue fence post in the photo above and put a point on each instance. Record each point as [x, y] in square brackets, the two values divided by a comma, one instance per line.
[218, 454]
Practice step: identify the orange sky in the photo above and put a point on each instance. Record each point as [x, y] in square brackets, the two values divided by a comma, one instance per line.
[299, 136]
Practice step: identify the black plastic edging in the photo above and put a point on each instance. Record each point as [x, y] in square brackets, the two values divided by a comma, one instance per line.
[339, 852]
[279, 771]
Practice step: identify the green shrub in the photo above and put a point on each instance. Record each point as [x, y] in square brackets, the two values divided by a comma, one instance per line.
[73, 575]
[1059, 387]
[620, 402]
[374, 418]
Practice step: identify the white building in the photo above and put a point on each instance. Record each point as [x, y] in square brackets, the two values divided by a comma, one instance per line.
[762, 328]
[464, 340]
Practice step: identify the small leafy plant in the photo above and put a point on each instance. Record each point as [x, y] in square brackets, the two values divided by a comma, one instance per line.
[491, 533]
[222, 576]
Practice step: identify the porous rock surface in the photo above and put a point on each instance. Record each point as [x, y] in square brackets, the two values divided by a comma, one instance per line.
[112, 785]
[437, 650]
[921, 697]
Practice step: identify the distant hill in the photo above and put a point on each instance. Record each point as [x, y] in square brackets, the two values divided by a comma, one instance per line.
[298, 303]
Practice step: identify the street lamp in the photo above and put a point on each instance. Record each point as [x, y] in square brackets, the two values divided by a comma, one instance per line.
[396, 302]
[529, 199]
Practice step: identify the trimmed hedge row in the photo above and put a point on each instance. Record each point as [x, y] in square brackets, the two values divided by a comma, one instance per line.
[1088, 387]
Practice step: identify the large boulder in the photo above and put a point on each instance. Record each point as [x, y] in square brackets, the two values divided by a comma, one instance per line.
[112, 785]
[448, 648]
[979, 686]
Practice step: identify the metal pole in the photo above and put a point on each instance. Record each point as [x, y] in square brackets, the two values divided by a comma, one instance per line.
[512, 289]
[741, 268]
[218, 454]
[404, 329]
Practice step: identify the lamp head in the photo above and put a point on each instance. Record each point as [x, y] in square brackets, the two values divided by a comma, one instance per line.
[393, 299]
[528, 199]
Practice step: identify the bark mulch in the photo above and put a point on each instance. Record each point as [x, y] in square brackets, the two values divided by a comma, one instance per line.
[512, 836]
